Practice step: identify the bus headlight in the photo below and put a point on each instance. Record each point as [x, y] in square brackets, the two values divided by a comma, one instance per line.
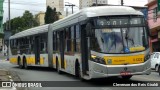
[98, 60]
[147, 57]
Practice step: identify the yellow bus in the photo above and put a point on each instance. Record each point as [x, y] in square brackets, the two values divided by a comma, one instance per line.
[95, 42]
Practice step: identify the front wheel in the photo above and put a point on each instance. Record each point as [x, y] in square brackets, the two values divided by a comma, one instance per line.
[127, 77]
[20, 64]
[156, 68]
[80, 74]
[25, 64]
[58, 68]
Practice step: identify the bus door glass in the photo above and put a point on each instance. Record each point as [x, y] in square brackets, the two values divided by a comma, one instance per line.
[62, 48]
[37, 49]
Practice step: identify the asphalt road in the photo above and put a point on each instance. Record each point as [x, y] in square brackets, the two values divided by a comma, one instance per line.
[47, 74]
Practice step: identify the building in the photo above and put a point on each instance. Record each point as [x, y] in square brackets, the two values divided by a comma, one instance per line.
[88, 3]
[58, 4]
[1, 16]
[40, 18]
[1, 24]
[143, 9]
[154, 25]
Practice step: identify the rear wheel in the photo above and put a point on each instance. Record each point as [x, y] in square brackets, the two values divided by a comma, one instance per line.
[127, 77]
[58, 67]
[156, 68]
[20, 63]
[77, 70]
[25, 63]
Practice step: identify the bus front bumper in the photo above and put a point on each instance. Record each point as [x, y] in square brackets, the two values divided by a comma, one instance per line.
[99, 70]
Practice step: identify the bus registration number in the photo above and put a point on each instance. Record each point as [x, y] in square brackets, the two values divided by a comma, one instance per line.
[125, 73]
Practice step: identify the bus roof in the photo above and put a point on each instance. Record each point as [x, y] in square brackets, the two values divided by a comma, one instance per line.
[94, 12]
[31, 31]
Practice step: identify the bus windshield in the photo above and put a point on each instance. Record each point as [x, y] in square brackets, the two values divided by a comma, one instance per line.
[120, 39]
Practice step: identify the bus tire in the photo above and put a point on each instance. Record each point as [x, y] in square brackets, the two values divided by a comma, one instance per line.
[20, 63]
[156, 68]
[58, 67]
[127, 77]
[25, 63]
[76, 69]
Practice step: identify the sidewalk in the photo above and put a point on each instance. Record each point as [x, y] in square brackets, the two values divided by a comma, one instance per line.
[5, 77]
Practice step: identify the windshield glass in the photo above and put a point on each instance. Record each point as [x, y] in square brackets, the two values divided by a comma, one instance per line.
[120, 39]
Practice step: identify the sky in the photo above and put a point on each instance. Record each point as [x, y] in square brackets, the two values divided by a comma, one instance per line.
[19, 6]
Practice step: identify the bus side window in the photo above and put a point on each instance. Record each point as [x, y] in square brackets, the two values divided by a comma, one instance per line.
[58, 42]
[54, 41]
[72, 38]
[67, 40]
[11, 42]
[43, 41]
[77, 45]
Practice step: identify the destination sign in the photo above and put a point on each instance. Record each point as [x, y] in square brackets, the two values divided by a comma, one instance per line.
[119, 21]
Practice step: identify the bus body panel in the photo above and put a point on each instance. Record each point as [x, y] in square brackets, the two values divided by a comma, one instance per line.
[67, 61]
[99, 70]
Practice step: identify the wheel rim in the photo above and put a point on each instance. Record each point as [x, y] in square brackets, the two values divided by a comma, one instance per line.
[79, 72]
[156, 68]
[20, 64]
[58, 68]
[25, 65]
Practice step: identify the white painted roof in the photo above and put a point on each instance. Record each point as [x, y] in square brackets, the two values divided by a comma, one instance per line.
[93, 12]
[32, 31]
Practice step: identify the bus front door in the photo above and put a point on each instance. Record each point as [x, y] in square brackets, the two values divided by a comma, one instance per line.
[37, 49]
[62, 48]
[84, 50]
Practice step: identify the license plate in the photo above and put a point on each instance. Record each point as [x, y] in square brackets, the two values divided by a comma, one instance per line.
[126, 73]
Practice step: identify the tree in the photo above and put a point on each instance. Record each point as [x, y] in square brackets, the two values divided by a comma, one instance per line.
[22, 23]
[51, 15]
[29, 20]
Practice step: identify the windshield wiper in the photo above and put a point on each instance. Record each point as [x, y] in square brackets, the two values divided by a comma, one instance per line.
[128, 39]
[102, 40]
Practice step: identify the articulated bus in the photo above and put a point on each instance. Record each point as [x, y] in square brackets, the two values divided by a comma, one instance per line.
[96, 42]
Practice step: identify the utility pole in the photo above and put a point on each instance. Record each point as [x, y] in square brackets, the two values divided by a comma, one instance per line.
[122, 3]
[9, 16]
[96, 2]
[66, 11]
[72, 5]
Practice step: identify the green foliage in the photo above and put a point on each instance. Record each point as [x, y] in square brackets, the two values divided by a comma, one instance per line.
[1, 35]
[51, 15]
[22, 23]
